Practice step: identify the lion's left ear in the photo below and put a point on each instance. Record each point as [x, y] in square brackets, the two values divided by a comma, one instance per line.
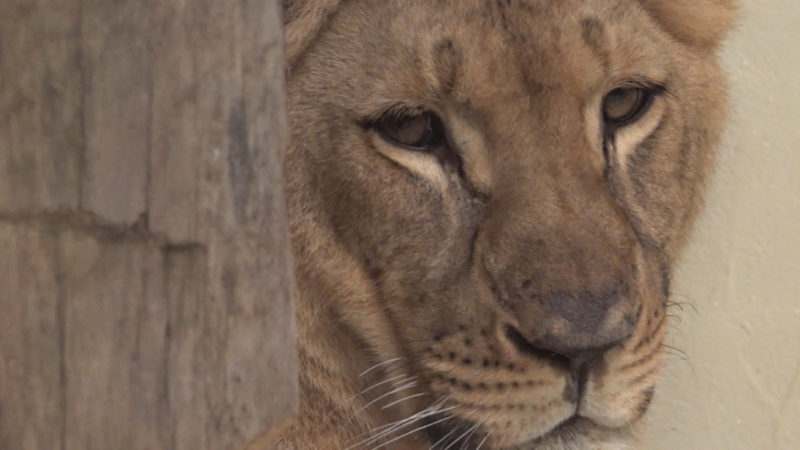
[302, 20]
[699, 23]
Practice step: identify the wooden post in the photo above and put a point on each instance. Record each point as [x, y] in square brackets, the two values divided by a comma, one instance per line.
[145, 283]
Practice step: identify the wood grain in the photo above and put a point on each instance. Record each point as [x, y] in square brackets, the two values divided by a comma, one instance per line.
[145, 280]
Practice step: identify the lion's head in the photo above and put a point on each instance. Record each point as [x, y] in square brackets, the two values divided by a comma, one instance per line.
[487, 199]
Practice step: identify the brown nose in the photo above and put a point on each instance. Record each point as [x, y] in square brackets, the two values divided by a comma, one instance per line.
[578, 327]
[570, 323]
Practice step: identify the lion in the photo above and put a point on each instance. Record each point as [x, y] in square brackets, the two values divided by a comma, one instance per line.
[486, 202]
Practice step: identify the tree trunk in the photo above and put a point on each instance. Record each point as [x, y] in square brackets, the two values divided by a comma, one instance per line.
[145, 283]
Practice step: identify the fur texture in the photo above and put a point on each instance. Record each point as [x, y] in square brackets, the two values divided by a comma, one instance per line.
[510, 290]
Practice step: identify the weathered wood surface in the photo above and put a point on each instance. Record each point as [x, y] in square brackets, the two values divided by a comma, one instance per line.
[144, 269]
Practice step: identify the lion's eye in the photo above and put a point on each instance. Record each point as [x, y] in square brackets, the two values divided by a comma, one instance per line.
[418, 130]
[624, 105]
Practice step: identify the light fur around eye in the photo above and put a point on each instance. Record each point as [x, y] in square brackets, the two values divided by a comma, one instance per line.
[423, 164]
[627, 138]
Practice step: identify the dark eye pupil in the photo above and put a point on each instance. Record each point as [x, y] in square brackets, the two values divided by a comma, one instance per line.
[417, 131]
[624, 105]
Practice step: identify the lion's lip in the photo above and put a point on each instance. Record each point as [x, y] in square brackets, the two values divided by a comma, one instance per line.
[570, 423]
[557, 359]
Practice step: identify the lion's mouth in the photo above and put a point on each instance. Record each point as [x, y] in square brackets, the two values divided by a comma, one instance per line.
[573, 425]
[498, 390]
[525, 347]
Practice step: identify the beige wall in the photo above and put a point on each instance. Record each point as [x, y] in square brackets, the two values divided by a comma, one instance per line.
[740, 388]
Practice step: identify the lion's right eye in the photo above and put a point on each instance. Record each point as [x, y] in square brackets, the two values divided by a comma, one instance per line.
[624, 105]
[417, 131]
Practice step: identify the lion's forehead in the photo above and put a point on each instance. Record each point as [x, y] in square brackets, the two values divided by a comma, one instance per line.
[498, 53]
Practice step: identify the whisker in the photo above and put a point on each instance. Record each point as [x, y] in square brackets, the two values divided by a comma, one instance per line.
[456, 440]
[352, 399]
[444, 438]
[466, 440]
[435, 408]
[680, 305]
[388, 380]
[676, 317]
[370, 403]
[674, 330]
[459, 438]
[414, 431]
[404, 399]
[390, 428]
[380, 364]
[484, 440]
[402, 377]
[677, 352]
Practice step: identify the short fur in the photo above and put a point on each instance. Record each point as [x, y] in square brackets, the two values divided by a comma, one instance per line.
[511, 296]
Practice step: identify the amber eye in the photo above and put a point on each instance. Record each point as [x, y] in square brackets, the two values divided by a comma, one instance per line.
[625, 105]
[418, 130]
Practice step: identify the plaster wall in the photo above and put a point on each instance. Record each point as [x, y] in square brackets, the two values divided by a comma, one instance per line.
[739, 387]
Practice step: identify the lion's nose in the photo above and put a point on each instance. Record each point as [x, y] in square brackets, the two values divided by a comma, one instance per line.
[567, 359]
[578, 326]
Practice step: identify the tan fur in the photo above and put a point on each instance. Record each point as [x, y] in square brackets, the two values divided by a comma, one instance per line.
[700, 23]
[303, 20]
[423, 282]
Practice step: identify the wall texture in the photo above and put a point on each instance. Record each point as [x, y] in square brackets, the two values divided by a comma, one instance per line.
[145, 279]
[740, 388]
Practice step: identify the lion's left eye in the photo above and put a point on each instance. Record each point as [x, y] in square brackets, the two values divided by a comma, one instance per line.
[623, 106]
[419, 130]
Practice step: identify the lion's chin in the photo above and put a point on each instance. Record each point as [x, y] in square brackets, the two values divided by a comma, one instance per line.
[580, 433]
[574, 433]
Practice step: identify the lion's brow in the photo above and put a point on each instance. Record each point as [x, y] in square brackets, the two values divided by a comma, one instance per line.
[447, 62]
[594, 36]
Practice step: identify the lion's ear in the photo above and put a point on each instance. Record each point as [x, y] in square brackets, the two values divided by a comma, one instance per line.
[302, 20]
[700, 23]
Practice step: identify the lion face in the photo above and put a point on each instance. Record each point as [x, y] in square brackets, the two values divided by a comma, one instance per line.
[489, 197]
